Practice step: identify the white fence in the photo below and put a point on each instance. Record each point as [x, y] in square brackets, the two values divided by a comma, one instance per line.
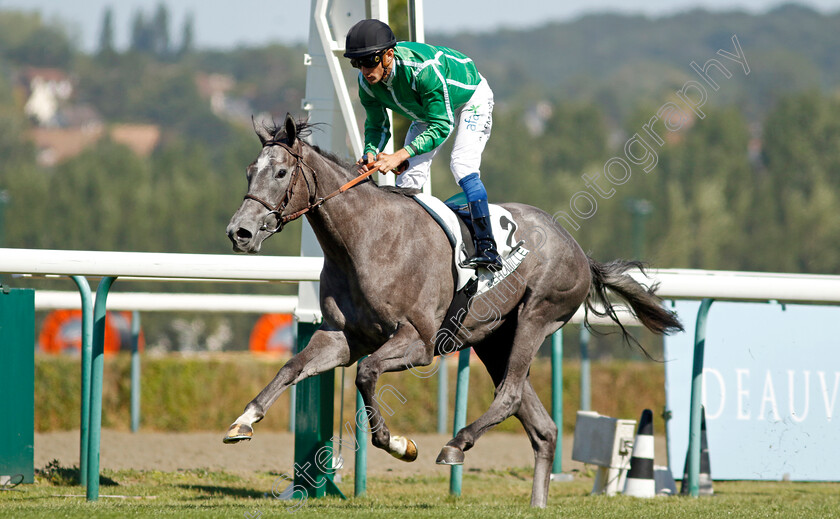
[674, 284]
[162, 266]
[158, 302]
[745, 286]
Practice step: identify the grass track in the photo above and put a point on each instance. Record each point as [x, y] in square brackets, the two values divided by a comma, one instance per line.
[487, 494]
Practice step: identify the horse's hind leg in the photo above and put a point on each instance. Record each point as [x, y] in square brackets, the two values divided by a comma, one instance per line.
[325, 351]
[537, 423]
[543, 435]
[528, 335]
[404, 350]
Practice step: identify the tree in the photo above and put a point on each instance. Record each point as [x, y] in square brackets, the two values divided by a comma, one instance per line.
[575, 136]
[187, 35]
[151, 36]
[802, 158]
[20, 182]
[106, 34]
[159, 28]
[141, 38]
[26, 40]
[703, 214]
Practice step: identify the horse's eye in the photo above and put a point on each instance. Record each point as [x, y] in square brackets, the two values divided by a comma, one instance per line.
[281, 173]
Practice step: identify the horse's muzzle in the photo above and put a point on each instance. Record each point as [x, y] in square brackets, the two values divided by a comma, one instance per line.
[250, 226]
[243, 240]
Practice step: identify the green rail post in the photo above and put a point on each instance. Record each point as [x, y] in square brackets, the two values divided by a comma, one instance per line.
[313, 469]
[293, 389]
[97, 367]
[462, 388]
[442, 396]
[292, 406]
[557, 397]
[135, 371]
[17, 384]
[696, 395]
[360, 419]
[4, 200]
[585, 370]
[87, 352]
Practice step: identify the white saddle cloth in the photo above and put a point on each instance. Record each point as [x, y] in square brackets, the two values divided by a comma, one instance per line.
[504, 229]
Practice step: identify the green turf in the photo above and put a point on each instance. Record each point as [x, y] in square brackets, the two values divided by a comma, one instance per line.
[486, 494]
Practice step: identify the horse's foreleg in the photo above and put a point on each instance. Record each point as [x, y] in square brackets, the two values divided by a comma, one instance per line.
[325, 351]
[403, 351]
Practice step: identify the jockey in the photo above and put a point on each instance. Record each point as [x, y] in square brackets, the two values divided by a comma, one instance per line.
[438, 89]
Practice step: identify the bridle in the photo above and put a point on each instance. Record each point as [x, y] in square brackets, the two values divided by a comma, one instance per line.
[314, 201]
[277, 210]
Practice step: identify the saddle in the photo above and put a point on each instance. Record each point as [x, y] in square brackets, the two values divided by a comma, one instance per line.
[453, 216]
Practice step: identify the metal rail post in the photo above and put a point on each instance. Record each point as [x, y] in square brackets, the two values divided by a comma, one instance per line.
[314, 428]
[585, 370]
[87, 352]
[442, 395]
[97, 367]
[462, 389]
[135, 371]
[557, 397]
[360, 479]
[293, 389]
[696, 395]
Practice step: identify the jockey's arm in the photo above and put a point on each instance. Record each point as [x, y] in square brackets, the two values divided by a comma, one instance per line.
[377, 124]
[386, 162]
[437, 112]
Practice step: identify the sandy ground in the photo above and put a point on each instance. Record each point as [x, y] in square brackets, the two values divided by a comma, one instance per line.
[271, 451]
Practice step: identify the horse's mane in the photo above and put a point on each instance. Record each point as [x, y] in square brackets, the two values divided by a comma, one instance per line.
[304, 129]
[405, 191]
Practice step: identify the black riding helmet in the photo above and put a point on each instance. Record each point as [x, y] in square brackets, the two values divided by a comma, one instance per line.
[368, 37]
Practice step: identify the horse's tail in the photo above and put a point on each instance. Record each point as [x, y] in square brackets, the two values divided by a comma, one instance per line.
[642, 300]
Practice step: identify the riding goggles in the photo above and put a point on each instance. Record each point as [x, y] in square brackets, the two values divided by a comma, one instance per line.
[367, 61]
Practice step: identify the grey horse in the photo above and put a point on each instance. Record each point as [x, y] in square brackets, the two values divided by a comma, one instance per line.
[388, 281]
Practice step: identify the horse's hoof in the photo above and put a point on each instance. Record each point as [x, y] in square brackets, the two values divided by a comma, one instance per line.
[238, 432]
[450, 456]
[403, 448]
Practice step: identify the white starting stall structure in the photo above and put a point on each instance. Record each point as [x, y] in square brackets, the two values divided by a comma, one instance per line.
[328, 100]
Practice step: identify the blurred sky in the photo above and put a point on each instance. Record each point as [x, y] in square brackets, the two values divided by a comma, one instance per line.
[225, 23]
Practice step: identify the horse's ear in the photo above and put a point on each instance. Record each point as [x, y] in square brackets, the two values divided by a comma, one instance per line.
[291, 130]
[262, 133]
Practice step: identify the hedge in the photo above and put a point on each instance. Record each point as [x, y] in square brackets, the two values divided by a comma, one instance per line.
[207, 392]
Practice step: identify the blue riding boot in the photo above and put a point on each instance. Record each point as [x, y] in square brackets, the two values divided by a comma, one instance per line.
[486, 254]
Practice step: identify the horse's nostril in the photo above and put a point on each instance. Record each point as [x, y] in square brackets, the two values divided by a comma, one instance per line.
[244, 234]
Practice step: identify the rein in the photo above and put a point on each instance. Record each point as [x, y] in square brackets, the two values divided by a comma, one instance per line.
[314, 202]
